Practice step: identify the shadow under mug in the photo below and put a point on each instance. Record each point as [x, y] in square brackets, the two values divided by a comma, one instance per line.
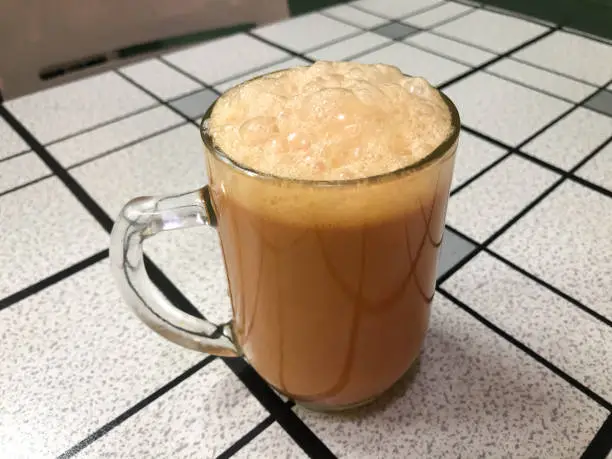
[331, 282]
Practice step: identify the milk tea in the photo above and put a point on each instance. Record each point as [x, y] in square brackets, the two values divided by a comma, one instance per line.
[331, 236]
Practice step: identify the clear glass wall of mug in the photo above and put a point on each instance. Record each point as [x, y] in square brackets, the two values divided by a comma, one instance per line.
[331, 282]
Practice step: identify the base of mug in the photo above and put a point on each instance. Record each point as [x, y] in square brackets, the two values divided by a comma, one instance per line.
[398, 387]
[322, 408]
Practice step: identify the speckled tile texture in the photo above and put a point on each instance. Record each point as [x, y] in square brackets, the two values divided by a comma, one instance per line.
[349, 47]
[599, 169]
[20, 170]
[113, 136]
[572, 216]
[394, 9]
[44, 230]
[159, 78]
[78, 105]
[504, 110]
[571, 339]
[567, 142]
[585, 59]
[10, 141]
[493, 31]
[461, 52]
[414, 61]
[196, 104]
[172, 162]
[497, 196]
[193, 261]
[516, 363]
[541, 79]
[473, 155]
[286, 63]
[474, 393]
[231, 55]
[431, 17]
[297, 34]
[273, 442]
[359, 18]
[73, 358]
[201, 418]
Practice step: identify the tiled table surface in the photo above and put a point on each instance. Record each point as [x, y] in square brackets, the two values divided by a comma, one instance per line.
[518, 361]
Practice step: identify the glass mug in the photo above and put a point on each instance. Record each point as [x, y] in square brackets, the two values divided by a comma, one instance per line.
[331, 282]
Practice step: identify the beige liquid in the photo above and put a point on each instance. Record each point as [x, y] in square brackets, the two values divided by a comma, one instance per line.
[331, 286]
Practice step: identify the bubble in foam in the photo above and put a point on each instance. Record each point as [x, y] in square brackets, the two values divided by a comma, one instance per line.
[330, 121]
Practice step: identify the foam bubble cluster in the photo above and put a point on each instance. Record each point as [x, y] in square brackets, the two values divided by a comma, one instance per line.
[330, 121]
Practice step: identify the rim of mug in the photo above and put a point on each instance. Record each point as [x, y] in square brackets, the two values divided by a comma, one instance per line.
[437, 153]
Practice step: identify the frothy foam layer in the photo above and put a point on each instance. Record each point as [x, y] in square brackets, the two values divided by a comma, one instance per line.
[330, 121]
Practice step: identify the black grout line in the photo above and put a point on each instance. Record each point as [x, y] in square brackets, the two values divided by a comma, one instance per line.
[281, 47]
[601, 445]
[597, 109]
[590, 36]
[479, 174]
[539, 162]
[591, 185]
[370, 50]
[53, 279]
[517, 150]
[513, 150]
[468, 3]
[165, 103]
[281, 411]
[187, 94]
[127, 145]
[75, 188]
[544, 194]
[510, 151]
[95, 127]
[500, 231]
[425, 9]
[412, 13]
[433, 51]
[92, 206]
[483, 136]
[287, 419]
[245, 439]
[522, 213]
[447, 20]
[548, 286]
[531, 276]
[15, 155]
[526, 349]
[572, 177]
[474, 69]
[498, 58]
[528, 86]
[462, 41]
[373, 30]
[291, 426]
[488, 71]
[106, 428]
[335, 41]
[423, 48]
[516, 15]
[176, 68]
[553, 71]
[25, 185]
[243, 74]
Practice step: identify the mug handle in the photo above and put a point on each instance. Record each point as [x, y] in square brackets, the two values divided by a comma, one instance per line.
[140, 219]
